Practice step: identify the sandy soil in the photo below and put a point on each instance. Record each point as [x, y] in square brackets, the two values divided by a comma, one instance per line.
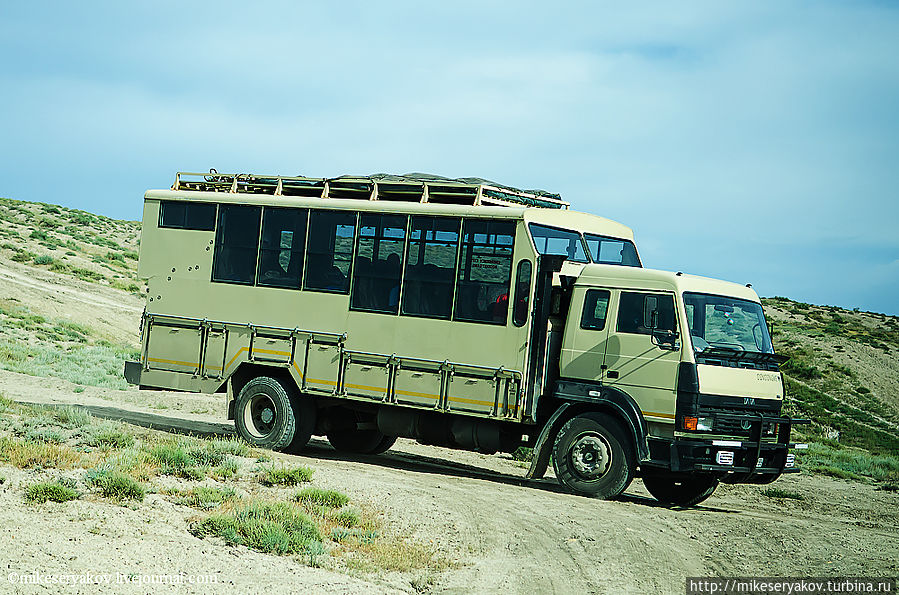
[507, 534]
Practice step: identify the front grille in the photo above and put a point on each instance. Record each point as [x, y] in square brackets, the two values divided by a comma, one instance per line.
[734, 426]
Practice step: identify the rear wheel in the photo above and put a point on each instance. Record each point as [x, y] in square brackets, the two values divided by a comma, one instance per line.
[263, 414]
[592, 457]
[361, 441]
[679, 490]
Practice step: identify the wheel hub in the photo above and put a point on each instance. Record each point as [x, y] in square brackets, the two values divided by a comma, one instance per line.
[259, 416]
[590, 456]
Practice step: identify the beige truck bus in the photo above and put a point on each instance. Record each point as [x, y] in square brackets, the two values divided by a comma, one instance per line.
[459, 313]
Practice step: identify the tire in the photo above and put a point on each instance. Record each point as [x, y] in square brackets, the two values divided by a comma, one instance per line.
[264, 415]
[370, 442]
[679, 490]
[592, 456]
[305, 415]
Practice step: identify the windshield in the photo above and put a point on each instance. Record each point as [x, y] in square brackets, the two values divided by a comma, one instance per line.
[725, 322]
[605, 250]
[549, 240]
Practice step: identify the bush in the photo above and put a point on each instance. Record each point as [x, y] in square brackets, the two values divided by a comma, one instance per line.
[782, 494]
[54, 492]
[43, 259]
[106, 436]
[74, 417]
[204, 497]
[320, 497]
[115, 485]
[286, 477]
[347, 517]
[277, 528]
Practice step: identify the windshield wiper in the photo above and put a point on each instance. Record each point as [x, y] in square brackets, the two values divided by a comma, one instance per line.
[732, 354]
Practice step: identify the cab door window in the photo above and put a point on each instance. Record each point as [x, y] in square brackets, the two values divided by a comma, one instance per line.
[636, 313]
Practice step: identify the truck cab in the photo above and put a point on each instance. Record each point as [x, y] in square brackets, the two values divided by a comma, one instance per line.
[688, 362]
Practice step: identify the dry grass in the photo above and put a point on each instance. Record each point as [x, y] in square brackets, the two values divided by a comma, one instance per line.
[28, 454]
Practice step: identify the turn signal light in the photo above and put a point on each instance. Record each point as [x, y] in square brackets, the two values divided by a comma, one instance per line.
[690, 423]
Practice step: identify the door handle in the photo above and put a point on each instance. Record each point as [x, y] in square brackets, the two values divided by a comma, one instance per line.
[612, 374]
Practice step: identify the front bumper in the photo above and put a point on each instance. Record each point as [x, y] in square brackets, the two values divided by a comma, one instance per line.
[747, 457]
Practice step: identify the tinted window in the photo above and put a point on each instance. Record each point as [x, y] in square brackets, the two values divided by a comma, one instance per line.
[236, 244]
[187, 215]
[612, 251]
[635, 313]
[378, 268]
[549, 240]
[522, 293]
[283, 247]
[485, 271]
[431, 267]
[596, 306]
[330, 250]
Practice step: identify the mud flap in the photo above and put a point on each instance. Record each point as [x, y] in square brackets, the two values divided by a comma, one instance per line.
[544, 445]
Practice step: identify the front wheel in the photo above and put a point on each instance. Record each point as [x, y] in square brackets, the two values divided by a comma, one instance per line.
[679, 490]
[592, 457]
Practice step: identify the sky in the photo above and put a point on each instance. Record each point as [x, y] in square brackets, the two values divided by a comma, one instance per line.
[756, 142]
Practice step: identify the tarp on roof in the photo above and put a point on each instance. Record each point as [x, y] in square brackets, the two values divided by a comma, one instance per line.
[435, 179]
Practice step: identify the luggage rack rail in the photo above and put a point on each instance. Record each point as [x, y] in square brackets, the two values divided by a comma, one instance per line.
[410, 188]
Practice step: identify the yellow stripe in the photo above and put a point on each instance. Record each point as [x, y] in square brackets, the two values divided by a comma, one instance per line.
[364, 387]
[318, 381]
[415, 394]
[662, 415]
[171, 361]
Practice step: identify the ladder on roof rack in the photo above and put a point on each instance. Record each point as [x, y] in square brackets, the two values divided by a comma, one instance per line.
[418, 188]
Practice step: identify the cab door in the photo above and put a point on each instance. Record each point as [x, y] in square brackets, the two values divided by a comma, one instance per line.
[643, 352]
[585, 342]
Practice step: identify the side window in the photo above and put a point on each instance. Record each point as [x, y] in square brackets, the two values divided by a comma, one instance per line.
[596, 307]
[379, 263]
[431, 267]
[236, 244]
[283, 247]
[549, 240]
[485, 271]
[635, 312]
[187, 215]
[522, 292]
[330, 251]
[612, 251]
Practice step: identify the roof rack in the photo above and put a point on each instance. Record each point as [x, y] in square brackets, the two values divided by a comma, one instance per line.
[415, 187]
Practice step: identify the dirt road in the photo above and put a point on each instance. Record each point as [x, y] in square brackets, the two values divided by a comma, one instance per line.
[514, 536]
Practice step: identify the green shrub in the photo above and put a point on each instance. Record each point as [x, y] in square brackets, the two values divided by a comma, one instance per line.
[205, 497]
[320, 497]
[54, 492]
[285, 477]
[346, 517]
[43, 259]
[74, 417]
[106, 436]
[115, 485]
[277, 528]
[782, 494]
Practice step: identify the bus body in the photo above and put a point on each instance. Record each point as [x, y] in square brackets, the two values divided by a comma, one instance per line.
[458, 313]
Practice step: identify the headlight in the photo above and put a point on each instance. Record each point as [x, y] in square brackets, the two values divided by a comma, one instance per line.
[699, 424]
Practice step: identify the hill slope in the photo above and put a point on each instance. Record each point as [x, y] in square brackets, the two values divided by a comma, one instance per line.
[843, 373]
